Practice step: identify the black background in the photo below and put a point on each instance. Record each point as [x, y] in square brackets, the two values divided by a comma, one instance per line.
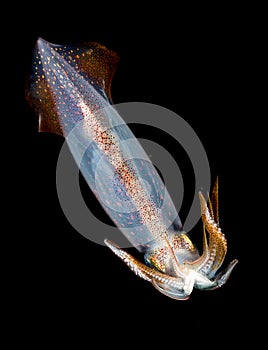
[193, 63]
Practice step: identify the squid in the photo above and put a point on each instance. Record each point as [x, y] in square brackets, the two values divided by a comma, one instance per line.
[70, 91]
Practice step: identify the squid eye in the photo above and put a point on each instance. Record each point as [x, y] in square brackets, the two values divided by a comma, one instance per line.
[157, 260]
[183, 248]
[155, 264]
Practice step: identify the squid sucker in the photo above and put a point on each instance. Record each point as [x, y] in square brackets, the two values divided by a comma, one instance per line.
[69, 89]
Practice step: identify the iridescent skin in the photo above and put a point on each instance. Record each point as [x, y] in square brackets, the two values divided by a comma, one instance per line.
[70, 91]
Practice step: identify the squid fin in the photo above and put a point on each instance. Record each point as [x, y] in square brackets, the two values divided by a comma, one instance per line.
[92, 62]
